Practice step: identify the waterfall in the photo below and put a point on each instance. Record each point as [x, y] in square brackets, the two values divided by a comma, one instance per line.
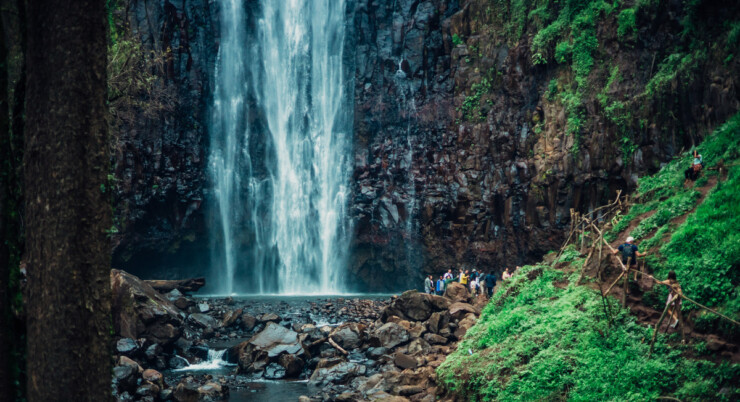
[281, 182]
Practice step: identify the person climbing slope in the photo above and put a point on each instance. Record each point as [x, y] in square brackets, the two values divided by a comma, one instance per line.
[697, 165]
[629, 253]
[674, 299]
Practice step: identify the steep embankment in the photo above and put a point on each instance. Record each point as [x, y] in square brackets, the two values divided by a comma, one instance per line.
[542, 336]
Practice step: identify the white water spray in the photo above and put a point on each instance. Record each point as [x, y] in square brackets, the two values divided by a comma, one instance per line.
[294, 194]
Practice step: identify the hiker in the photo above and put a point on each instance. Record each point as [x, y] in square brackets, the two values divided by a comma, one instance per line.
[474, 277]
[441, 285]
[464, 278]
[673, 300]
[447, 275]
[692, 173]
[506, 275]
[490, 281]
[428, 285]
[629, 253]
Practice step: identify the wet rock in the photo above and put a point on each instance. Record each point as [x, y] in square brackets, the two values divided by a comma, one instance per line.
[212, 391]
[391, 335]
[126, 361]
[125, 377]
[248, 322]
[152, 376]
[153, 351]
[272, 341]
[269, 317]
[127, 346]
[186, 391]
[230, 317]
[274, 371]
[148, 389]
[337, 374]
[165, 394]
[293, 365]
[140, 311]
[204, 307]
[202, 320]
[177, 362]
[348, 336]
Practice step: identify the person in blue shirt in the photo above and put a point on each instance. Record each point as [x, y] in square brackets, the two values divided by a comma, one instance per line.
[629, 253]
[440, 286]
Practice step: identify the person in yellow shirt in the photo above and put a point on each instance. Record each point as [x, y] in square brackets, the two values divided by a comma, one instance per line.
[463, 278]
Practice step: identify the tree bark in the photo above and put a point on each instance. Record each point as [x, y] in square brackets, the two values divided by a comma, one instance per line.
[66, 203]
[6, 382]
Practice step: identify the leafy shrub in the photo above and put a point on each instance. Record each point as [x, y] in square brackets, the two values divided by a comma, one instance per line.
[626, 24]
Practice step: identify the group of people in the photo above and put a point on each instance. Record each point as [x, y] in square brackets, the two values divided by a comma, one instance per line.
[477, 282]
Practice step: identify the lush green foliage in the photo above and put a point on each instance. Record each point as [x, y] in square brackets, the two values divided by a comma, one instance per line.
[535, 341]
[704, 251]
[456, 40]
[627, 24]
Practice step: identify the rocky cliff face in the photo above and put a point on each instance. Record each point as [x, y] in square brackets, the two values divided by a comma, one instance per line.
[480, 125]
[159, 163]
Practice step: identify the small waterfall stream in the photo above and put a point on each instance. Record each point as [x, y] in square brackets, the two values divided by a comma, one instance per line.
[281, 184]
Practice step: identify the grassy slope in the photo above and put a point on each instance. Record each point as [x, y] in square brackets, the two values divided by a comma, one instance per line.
[539, 341]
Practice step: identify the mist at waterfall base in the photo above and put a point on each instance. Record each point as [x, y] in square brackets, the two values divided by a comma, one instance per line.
[280, 133]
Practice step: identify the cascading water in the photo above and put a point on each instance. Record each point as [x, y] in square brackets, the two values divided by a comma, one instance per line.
[281, 183]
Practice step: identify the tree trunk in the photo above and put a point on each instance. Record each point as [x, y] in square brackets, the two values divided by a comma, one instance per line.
[6, 383]
[66, 203]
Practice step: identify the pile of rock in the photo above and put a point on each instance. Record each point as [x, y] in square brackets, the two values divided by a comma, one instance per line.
[394, 356]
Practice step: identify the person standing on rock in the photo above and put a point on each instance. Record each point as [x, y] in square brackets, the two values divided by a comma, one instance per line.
[428, 285]
[440, 286]
[490, 281]
[464, 278]
[447, 275]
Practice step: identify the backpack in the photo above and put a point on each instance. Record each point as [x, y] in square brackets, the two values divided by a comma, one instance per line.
[628, 250]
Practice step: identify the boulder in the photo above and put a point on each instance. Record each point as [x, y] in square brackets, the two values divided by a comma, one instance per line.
[186, 391]
[439, 302]
[212, 391]
[230, 317]
[438, 321]
[269, 317]
[435, 339]
[338, 374]
[274, 371]
[248, 322]
[404, 361]
[148, 389]
[459, 310]
[152, 376]
[268, 344]
[203, 320]
[292, 364]
[391, 335]
[410, 305]
[349, 336]
[204, 307]
[125, 377]
[140, 311]
[457, 292]
[127, 346]
[153, 351]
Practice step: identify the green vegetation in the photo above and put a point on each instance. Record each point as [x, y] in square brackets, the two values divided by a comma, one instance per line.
[627, 24]
[456, 40]
[535, 341]
[470, 107]
[544, 338]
